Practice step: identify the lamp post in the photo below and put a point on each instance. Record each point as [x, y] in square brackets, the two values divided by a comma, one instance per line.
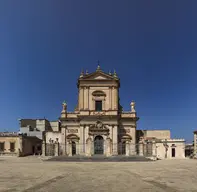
[165, 144]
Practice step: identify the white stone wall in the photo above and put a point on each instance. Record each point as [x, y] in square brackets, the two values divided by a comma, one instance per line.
[179, 147]
[53, 136]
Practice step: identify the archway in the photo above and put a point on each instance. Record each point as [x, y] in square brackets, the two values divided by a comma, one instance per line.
[98, 145]
[73, 148]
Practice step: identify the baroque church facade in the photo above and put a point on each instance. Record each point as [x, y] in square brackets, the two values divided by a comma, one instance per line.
[98, 125]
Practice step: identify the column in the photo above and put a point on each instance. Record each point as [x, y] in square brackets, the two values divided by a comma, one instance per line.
[43, 148]
[115, 140]
[108, 147]
[56, 149]
[81, 98]
[85, 98]
[89, 147]
[63, 143]
[110, 99]
[115, 98]
[141, 149]
[70, 148]
[127, 148]
[132, 149]
[88, 97]
[81, 141]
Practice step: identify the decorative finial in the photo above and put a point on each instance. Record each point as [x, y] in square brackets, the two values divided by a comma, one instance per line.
[110, 73]
[87, 72]
[132, 106]
[115, 75]
[64, 103]
[98, 67]
[82, 73]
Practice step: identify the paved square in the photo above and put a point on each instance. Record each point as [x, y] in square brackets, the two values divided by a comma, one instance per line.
[32, 174]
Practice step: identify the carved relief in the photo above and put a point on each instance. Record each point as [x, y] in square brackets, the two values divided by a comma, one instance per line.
[98, 129]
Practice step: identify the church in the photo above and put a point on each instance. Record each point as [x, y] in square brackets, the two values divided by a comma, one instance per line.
[99, 126]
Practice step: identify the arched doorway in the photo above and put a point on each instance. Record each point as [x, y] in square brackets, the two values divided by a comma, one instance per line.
[73, 148]
[173, 152]
[98, 145]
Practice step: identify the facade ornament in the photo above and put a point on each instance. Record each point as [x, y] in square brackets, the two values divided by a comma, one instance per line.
[115, 74]
[82, 74]
[64, 106]
[98, 67]
[87, 72]
[132, 106]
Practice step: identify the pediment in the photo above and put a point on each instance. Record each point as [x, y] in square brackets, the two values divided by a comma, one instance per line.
[98, 75]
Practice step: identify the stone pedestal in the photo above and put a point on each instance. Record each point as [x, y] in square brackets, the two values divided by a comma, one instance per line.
[141, 149]
[56, 149]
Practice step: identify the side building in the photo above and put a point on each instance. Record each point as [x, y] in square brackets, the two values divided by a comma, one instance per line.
[14, 144]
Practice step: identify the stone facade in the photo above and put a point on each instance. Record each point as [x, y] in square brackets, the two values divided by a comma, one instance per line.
[98, 125]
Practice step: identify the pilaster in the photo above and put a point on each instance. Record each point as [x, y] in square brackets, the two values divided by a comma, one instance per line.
[57, 149]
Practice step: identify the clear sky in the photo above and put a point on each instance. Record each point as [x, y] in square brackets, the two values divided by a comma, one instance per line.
[151, 44]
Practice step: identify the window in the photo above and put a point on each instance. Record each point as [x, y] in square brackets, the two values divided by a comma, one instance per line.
[98, 105]
[12, 147]
[2, 147]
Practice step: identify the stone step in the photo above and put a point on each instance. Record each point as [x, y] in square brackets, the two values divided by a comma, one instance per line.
[99, 158]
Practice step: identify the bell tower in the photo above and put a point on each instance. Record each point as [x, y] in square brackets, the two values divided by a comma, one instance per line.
[98, 91]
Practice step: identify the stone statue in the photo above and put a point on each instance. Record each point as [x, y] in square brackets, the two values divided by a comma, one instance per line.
[132, 106]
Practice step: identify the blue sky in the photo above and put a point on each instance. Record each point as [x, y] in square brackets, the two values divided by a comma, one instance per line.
[151, 44]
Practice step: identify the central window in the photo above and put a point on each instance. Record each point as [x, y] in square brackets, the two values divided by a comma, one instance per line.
[98, 105]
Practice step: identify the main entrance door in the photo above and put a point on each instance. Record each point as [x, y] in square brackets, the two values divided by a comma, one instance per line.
[98, 145]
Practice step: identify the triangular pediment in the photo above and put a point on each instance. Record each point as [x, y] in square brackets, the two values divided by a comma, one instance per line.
[98, 75]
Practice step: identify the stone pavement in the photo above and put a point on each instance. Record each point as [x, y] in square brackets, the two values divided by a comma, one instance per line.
[31, 174]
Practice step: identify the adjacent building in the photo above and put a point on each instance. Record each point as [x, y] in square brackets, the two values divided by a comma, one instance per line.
[14, 144]
[195, 144]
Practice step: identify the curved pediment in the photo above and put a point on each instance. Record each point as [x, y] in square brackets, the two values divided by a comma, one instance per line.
[98, 129]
